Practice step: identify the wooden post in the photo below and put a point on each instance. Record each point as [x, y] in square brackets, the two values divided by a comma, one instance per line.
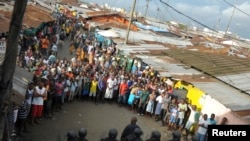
[9, 63]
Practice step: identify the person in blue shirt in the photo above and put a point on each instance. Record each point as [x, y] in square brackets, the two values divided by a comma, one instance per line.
[212, 119]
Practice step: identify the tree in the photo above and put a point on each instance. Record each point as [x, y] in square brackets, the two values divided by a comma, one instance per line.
[9, 63]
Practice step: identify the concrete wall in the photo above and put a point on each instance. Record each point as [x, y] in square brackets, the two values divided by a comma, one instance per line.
[211, 105]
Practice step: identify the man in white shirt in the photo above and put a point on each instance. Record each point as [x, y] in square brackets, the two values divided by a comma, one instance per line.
[182, 108]
[192, 119]
[110, 88]
[54, 49]
[37, 103]
[202, 129]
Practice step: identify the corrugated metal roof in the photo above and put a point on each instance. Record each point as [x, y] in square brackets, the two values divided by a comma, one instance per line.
[170, 68]
[157, 62]
[240, 81]
[233, 71]
[228, 96]
[33, 17]
[142, 35]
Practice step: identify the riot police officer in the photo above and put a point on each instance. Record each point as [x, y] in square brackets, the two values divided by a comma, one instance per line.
[155, 136]
[135, 136]
[112, 135]
[72, 136]
[82, 134]
[176, 136]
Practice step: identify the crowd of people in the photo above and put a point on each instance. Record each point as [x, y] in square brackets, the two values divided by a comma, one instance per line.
[95, 73]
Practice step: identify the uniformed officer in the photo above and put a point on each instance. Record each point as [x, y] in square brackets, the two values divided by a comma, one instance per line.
[112, 135]
[155, 136]
[72, 136]
[135, 136]
[176, 136]
[82, 134]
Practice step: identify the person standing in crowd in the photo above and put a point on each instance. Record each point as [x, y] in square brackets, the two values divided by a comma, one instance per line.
[54, 49]
[22, 118]
[101, 88]
[93, 89]
[164, 108]
[72, 90]
[182, 108]
[132, 95]
[79, 80]
[202, 127]
[159, 100]
[110, 88]
[37, 103]
[192, 119]
[86, 86]
[123, 89]
[129, 129]
[29, 98]
[59, 87]
[45, 45]
[173, 118]
[143, 100]
[150, 104]
[224, 121]
[212, 119]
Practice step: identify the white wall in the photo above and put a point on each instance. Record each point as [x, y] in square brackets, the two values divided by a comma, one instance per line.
[211, 105]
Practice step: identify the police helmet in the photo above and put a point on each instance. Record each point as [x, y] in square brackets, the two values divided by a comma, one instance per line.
[71, 135]
[113, 133]
[176, 135]
[138, 132]
[82, 133]
[156, 135]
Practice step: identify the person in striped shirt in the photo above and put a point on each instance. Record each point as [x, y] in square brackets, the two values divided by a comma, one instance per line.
[22, 118]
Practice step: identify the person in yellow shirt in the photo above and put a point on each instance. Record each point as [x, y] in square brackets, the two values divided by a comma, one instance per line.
[67, 32]
[93, 89]
[82, 55]
[71, 48]
[78, 53]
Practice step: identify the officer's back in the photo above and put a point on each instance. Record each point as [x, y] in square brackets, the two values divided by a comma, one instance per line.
[155, 136]
[135, 136]
[112, 135]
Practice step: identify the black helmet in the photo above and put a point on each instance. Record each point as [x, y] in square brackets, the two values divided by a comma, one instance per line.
[176, 135]
[113, 133]
[138, 132]
[156, 135]
[72, 135]
[82, 133]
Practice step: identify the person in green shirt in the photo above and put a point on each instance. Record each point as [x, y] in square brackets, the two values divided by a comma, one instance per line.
[143, 100]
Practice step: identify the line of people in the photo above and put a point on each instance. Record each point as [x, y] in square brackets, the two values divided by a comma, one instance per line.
[95, 72]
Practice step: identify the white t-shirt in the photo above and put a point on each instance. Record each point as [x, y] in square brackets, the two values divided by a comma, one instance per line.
[110, 83]
[116, 84]
[30, 93]
[182, 107]
[191, 116]
[203, 130]
[38, 100]
[159, 99]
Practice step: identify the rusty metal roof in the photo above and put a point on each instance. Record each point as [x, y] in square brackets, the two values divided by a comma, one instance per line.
[33, 17]
[233, 71]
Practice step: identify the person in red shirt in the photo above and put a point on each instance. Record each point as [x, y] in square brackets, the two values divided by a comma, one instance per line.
[123, 89]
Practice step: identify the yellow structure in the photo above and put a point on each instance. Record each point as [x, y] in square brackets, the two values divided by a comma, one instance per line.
[194, 94]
